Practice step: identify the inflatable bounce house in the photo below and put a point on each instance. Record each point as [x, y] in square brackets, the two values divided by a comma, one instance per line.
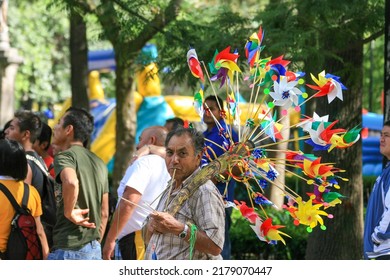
[372, 158]
[152, 108]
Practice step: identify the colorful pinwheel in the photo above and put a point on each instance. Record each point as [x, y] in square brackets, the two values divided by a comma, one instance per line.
[255, 169]
[194, 65]
[247, 212]
[329, 85]
[253, 47]
[198, 102]
[305, 213]
[224, 65]
[285, 93]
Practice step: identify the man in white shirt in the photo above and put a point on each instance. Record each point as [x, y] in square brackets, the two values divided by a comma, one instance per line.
[138, 191]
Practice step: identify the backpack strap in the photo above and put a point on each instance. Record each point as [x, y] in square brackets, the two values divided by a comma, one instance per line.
[38, 163]
[13, 201]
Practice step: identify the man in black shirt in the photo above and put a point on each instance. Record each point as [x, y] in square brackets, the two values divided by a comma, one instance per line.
[25, 128]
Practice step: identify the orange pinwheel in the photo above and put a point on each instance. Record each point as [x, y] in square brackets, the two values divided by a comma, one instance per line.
[315, 169]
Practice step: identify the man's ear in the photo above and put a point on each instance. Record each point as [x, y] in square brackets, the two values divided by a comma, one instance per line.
[153, 140]
[69, 130]
[26, 134]
[199, 155]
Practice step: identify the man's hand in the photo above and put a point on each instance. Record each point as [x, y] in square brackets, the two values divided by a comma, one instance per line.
[108, 250]
[162, 222]
[77, 217]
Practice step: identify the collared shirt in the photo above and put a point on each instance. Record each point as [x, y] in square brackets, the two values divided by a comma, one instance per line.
[205, 209]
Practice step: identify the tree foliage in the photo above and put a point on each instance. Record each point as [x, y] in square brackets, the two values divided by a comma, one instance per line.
[42, 40]
[330, 35]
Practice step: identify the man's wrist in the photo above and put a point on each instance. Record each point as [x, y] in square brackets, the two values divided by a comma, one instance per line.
[184, 233]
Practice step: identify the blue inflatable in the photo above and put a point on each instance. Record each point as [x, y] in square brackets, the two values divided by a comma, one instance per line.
[372, 158]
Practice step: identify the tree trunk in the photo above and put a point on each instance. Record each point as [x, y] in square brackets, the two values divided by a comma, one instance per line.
[386, 108]
[126, 120]
[342, 240]
[126, 52]
[79, 61]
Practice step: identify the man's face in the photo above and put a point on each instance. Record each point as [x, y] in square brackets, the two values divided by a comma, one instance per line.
[385, 142]
[59, 133]
[39, 147]
[13, 131]
[211, 109]
[181, 157]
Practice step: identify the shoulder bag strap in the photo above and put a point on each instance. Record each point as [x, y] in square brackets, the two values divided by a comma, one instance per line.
[38, 163]
[12, 200]
[26, 194]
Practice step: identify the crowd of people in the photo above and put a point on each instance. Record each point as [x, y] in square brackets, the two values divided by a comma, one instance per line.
[143, 225]
[163, 210]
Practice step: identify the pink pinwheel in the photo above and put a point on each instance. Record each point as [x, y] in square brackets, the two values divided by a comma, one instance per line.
[194, 65]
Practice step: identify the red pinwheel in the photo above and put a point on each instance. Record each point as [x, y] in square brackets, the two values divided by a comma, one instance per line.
[246, 211]
[194, 65]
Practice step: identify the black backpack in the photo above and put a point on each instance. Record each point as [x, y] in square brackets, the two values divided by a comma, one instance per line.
[23, 241]
[49, 205]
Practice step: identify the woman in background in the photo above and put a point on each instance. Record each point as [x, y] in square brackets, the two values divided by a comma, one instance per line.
[13, 171]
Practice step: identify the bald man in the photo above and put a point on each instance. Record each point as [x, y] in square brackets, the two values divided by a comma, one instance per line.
[144, 181]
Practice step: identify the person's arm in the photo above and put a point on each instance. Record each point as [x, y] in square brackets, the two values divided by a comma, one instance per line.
[381, 232]
[104, 216]
[121, 215]
[70, 192]
[28, 179]
[42, 237]
[149, 150]
[162, 222]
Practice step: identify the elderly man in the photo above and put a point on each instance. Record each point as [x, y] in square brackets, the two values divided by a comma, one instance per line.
[145, 179]
[189, 222]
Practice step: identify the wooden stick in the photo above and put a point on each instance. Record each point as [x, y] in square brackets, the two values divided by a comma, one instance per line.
[150, 210]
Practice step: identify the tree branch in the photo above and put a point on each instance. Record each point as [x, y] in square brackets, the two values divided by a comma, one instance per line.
[154, 26]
